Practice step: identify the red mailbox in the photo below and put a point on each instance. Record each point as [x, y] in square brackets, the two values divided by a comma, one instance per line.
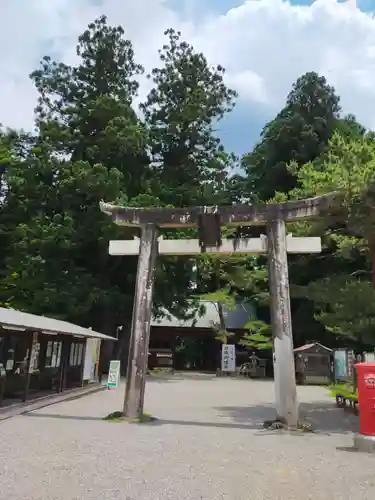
[366, 397]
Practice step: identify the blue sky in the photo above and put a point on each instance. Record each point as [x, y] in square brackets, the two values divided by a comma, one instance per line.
[264, 45]
[240, 130]
[249, 122]
[222, 6]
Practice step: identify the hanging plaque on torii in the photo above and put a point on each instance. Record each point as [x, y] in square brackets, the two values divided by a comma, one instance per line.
[209, 220]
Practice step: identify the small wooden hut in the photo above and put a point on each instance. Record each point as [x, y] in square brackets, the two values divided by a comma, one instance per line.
[313, 364]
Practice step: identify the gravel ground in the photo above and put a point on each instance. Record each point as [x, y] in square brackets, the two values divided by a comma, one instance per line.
[207, 444]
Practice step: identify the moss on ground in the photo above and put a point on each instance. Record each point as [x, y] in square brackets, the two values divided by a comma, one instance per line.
[274, 425]
[118, 416]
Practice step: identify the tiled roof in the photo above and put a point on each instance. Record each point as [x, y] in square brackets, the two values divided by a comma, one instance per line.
[306, 347]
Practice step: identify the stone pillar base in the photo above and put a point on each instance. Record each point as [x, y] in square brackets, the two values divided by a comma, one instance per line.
[364, 443]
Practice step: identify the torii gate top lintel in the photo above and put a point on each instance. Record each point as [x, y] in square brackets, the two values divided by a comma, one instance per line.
[235, 215]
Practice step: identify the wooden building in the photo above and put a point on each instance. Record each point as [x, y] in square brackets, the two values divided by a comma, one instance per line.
[41, 356]
[313, 364]
[168, 333]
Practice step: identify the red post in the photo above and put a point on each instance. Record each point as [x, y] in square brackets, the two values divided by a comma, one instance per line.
[366, 398]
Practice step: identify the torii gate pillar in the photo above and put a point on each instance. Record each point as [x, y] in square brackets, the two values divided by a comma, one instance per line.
[283, 349]
[141, 322]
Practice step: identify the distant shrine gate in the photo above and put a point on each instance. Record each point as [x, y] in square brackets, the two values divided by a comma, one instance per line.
[209, 219]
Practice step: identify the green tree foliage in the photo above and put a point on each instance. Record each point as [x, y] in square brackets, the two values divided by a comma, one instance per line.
[234, 280]
[90, 144]
[189, 164]
[258, 335]
[280, 168]
[300, 133]
[343, 297]
[220, 299]
[86, 110]
[59, 244]
[6, 216]
[350, 128]
[188, 98]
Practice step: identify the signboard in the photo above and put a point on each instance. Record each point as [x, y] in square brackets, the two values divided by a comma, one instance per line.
[113, 374]
[228, 358]
[341, 366]
[91, 359]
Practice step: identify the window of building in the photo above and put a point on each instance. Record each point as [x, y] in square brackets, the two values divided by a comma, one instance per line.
[53, 354]
[80, 354]
[9, 354]
[76, 354]
[19, 355]
[72, 352]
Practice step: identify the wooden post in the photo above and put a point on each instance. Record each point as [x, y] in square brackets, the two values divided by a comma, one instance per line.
[140, 330]
[64, 364]
[29, 366]
[284, 371]
[83, 361]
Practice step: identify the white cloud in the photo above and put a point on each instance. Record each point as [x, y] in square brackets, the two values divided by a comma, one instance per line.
[249, 85]
[264, 45]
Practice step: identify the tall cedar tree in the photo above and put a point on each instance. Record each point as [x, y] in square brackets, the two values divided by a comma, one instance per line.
[189, 97]
[300, 133]
[189, 164]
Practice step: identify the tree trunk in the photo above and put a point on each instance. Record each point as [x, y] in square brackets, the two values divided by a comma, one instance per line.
[221, 317]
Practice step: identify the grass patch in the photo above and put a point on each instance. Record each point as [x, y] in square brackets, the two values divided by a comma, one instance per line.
[343, 389]
[118, 416]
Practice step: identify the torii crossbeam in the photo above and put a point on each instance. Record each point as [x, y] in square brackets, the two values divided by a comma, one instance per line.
[276, 244]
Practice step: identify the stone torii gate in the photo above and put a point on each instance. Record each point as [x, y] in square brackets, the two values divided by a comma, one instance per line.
[209, 219]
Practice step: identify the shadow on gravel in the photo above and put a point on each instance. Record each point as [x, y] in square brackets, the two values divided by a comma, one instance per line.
[157, 422]
[218, 425]
[183, 423]
[178, 376]
[348, 449]
[324, 417]
[160, 379]
[61, 417]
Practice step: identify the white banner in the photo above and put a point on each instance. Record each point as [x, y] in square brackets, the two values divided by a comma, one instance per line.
[228, 358]
[91, 359]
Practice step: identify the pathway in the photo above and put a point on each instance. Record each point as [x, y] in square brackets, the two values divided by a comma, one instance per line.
[207, 444]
